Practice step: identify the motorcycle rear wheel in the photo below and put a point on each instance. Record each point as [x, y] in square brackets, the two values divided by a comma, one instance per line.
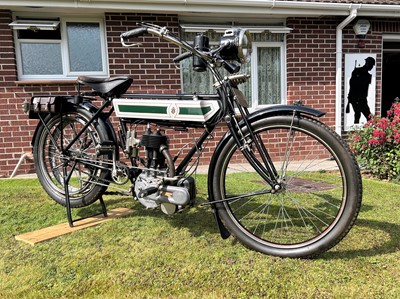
[88, 180]
[320, 196]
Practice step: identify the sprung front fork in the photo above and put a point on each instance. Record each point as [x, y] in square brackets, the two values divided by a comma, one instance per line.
[250, 144]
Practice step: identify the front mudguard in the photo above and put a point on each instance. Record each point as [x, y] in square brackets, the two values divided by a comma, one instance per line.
[259, 114]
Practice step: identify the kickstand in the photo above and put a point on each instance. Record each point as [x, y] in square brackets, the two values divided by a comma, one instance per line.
[103, 206]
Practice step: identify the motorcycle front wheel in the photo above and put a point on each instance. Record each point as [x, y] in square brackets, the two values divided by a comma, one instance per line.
[320, 196]
[88, 169]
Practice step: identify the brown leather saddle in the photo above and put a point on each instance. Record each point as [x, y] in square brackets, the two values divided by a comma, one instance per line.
[107, 87]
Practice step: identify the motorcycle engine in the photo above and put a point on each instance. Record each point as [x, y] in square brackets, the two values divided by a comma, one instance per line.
[157, 186]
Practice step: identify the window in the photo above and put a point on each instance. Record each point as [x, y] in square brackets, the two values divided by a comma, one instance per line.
[267, 73]
[73, 48]
[267, 70]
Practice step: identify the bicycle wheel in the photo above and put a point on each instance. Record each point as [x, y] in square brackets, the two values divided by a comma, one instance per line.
[89, 170]
[320, 196]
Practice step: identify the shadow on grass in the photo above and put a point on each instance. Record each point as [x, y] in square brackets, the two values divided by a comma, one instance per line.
[390, 246]
[200, 220]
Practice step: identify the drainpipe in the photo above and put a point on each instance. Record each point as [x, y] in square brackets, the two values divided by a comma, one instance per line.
[339, 71]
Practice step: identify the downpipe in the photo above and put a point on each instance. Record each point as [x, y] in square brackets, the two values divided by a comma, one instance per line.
[339, 70]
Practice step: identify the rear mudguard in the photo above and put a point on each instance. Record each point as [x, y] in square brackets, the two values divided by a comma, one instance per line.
[259, 114]
[91, 108]
[110, 129]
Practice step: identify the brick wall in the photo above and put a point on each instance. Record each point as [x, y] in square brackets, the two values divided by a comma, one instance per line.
[15, 129]
[311, 64]
[310, 73]
[150, 66]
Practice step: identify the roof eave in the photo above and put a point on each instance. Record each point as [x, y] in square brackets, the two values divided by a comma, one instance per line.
[242, 7]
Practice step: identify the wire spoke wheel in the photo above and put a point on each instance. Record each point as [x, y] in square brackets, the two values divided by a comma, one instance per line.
[89, 169]
[320, 195]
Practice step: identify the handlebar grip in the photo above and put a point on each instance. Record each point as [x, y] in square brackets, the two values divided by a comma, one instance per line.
[182, 57]
[134, 33]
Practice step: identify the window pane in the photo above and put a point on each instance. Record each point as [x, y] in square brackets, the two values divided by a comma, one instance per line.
[246, 87]
[41, 58]
[269, 76]
[40, 34]
[199, 82]
[84, 47]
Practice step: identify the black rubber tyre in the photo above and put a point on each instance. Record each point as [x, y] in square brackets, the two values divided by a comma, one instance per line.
[90, 168]
[321, 189]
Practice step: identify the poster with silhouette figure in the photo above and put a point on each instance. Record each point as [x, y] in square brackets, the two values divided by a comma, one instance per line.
[360, 89]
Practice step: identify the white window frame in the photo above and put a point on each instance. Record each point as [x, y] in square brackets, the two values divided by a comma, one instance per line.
[67, 74]
[254, 73]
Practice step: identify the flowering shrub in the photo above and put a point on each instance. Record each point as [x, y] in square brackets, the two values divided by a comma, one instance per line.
[377, 145]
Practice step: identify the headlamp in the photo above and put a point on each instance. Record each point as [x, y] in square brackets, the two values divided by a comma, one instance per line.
[237, 45]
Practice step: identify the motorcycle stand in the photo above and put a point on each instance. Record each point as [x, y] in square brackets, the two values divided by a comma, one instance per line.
[66, 178]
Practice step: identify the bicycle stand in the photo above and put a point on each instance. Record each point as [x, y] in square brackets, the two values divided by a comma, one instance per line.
[67, 176]
[66, 179]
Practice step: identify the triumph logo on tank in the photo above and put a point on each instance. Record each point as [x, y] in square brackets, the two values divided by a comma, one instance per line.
[172, 110]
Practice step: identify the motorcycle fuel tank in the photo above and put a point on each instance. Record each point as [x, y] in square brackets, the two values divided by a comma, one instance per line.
[172, 110]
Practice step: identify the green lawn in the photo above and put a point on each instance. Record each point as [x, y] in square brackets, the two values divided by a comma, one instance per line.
[152, 255]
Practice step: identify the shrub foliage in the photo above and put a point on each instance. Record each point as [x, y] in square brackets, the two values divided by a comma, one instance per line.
[377, 144]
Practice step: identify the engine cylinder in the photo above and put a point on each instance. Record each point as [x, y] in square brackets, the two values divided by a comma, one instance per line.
[153, 140]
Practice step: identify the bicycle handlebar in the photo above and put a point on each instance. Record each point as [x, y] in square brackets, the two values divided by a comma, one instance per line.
[164, 33]
[182, 56]
[134, 33]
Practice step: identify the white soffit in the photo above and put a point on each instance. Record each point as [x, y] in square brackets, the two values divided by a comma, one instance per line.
[236, 7]
[221, 29]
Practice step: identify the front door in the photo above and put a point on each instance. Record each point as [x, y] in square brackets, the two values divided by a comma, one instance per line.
[390, 75]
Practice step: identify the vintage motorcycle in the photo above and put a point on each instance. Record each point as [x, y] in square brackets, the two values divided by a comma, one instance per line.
[280, 181]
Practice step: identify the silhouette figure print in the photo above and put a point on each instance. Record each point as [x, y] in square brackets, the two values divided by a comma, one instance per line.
[358, 94]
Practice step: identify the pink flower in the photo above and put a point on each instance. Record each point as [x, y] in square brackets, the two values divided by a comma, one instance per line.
[382, 123]
[373, 142]
[397, 138]
[379, 134]
[396, 109]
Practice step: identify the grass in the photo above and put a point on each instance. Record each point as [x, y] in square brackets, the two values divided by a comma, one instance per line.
[152, 255]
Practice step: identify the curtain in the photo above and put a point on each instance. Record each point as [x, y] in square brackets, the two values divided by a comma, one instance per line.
[269, 75]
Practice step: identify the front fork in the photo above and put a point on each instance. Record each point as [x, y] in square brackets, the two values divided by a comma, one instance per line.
[250, 144]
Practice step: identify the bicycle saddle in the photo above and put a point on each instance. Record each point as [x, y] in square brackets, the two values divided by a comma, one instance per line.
[108, 87]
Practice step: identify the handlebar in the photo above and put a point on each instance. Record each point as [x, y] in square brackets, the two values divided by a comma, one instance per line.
[210, 57]
[164, 33]
[133, 33]
[182, 56]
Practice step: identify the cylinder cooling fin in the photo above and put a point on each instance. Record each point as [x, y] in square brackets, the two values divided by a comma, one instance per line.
[153, 140]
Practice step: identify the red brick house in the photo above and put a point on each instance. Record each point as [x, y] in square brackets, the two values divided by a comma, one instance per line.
[302, 50]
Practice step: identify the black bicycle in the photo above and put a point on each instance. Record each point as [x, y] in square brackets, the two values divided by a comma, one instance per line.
[280, 181]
